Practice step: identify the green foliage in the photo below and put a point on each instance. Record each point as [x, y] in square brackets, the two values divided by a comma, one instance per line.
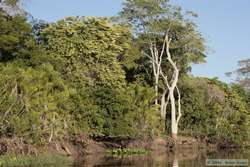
[95, 53]
[127, 151]
[88, 75]
[235, 119]
[214, 109]
[86, 50]
[15, 37]
[119, 112]
[151, 20]
[32, 100]
[18, 43]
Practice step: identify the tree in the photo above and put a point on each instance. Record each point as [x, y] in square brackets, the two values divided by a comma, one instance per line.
[86, 51]
[16, 37]
[214, 110]
[242, 74]
[157, 24]
[12, 7]
[33, 94]
[90, 53]
[33, 102]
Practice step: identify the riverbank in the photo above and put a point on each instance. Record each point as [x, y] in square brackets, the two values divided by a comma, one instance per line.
[189, 156]
[79, 145]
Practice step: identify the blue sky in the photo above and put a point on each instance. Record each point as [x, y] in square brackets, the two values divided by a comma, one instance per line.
[225, 24]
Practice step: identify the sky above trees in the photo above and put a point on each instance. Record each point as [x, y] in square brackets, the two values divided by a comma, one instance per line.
[223, 23]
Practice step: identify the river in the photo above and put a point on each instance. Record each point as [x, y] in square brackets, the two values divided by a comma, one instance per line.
[180, 158]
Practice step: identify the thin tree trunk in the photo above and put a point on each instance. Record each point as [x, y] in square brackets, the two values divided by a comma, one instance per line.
[179, 105]
[51, 135]
[156, 60]
[156, 91]
[173, 86]
[174, 128]
[163, 101]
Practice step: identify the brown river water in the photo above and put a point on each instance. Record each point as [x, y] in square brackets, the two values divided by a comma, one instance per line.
[180, 158]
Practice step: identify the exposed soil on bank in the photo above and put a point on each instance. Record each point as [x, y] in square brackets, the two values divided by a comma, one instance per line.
[82, 145]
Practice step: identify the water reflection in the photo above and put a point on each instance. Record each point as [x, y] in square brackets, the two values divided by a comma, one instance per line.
[178, 158]
[175, 163]
[175, 160]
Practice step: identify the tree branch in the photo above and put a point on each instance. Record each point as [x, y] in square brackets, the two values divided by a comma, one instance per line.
[179, 105]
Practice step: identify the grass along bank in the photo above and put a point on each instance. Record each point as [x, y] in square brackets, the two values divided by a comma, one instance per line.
[38, 161]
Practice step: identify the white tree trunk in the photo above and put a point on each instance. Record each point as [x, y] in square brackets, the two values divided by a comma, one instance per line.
[174, 127]
[171, 88]
[156, 90]
[156, 60]
[164, 104]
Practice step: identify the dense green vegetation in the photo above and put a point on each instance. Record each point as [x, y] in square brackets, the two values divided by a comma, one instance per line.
[89, 75]
[221, 111]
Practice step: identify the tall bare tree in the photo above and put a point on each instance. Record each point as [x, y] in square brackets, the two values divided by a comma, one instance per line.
[171, 43]
[170, 86]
